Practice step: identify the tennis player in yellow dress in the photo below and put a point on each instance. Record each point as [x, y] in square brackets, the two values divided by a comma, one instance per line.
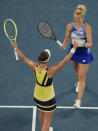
[44, 96]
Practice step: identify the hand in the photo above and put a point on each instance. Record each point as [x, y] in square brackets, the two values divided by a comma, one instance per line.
[62, 47]
[87, 45]
[75, 45]
[14, 45]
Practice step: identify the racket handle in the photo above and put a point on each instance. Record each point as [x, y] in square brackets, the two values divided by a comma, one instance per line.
[59, 43]
[16, 55]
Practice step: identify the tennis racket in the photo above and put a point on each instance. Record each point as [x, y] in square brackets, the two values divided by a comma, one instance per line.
[45, 29]
[10, 31]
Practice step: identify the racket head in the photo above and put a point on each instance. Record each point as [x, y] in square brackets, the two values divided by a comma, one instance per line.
[45, 29]
[10, 30]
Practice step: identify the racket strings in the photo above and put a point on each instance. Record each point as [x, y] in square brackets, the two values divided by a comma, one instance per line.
[45, 29]
[10, 29]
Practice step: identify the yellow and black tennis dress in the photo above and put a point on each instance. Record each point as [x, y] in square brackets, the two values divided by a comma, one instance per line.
[44, 96]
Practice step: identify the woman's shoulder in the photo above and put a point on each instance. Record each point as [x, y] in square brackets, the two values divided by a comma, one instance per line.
[69, 25]
[36, 66]
[49, 72]
[87, 26]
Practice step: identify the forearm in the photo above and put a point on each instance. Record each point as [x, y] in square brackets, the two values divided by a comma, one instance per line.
[29, 62]
[20, 54]
[63, 62]
[65, 43]
[68, 57]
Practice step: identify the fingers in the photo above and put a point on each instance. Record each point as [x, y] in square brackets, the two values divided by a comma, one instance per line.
[62, 47]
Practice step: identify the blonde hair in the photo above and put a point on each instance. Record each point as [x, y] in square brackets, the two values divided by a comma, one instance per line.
[81, 10]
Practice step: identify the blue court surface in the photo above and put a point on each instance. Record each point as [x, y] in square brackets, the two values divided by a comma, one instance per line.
[17, 79]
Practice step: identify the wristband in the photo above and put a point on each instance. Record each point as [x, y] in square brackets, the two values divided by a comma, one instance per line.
[73, 50]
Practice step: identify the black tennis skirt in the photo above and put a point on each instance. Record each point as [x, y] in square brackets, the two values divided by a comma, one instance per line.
[46, 106]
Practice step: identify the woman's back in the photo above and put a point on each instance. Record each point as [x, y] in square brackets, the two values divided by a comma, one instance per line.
[44, 86]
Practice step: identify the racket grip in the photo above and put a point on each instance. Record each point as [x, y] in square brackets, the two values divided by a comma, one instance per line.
[16, 55]
[59, 43]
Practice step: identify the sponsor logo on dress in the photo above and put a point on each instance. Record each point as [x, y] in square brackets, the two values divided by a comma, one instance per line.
[84, 61]
[81, 32]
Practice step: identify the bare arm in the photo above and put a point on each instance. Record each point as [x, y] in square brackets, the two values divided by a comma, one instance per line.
[25, 59]
[88, 31]
[55, 68]
[67, 36]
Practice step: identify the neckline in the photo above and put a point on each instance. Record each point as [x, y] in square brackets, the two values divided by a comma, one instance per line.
[43, 69]
[78, 29]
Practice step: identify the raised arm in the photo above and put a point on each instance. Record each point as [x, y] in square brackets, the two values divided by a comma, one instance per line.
[67, 36]
[55, 68]
[88, 31]
[21, 55]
